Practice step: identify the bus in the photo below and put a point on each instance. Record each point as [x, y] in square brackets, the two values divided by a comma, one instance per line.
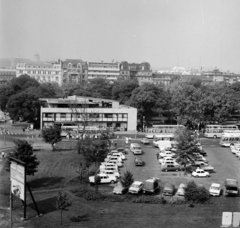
[215, 131]
[229, 138]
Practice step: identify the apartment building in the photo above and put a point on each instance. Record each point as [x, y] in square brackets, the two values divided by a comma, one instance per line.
[74, 71]
[95, 111]
[41, 71]
[105, 70]
[7, 75]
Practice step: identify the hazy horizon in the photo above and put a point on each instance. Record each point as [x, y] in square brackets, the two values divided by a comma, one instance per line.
[165, 33]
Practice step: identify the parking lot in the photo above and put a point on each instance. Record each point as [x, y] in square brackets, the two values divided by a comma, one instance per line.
[226, 165]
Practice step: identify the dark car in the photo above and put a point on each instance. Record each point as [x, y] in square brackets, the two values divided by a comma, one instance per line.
[168, 189]
[138, 161]
[151, 185]
[171, 167]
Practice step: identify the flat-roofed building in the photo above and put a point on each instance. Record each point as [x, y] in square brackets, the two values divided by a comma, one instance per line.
[41, 71]
[105, 70]
[78, 110]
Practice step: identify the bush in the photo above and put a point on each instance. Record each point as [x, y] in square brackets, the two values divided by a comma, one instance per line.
[196, 194]
[150, 200]
[127, 179]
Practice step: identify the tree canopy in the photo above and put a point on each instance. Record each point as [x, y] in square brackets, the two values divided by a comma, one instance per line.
[52, 135]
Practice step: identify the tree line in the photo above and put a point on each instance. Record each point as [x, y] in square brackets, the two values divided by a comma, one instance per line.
[185, 101]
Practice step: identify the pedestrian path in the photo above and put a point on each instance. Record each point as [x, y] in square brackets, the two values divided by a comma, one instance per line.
[9, 133]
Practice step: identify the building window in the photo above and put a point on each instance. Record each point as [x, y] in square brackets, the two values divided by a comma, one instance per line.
[63, 115]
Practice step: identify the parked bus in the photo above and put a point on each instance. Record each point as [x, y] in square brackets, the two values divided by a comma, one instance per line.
[164, 128]
[215, 131]
[229, 138]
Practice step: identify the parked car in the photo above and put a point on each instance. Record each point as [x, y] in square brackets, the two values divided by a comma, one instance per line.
[215, 189]
[110, 168]
[151, 185]
[200, 173]
[110, 173]
[170, 167]
[138, 161]
[234, 149]
[199, 163]
[119, 189]
[145, 141]
[118, 163]
[231, 187]
[149, 136]
[136, 187]
[181, 190]
[104, 179]
[207, 168]
[168, 189]
[166, 159]
[114, 158]
[119, 154]
[167, 154]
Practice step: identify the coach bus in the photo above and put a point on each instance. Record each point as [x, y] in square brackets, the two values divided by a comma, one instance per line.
[229, 138]
[215, 131]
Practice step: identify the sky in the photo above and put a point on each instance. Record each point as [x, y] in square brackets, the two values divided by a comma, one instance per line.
[165, 33]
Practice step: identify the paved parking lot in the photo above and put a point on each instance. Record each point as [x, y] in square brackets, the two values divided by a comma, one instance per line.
[226, 165]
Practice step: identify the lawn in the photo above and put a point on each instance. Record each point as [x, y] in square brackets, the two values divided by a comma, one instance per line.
[56, 167]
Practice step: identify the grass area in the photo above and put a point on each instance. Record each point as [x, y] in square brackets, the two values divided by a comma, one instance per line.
[59, 167]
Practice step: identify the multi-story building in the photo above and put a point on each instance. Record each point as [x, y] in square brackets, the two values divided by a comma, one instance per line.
[41, 71]
[7, 75]
[108, 71]
[74, 71]
[141, 71]
[95, 111]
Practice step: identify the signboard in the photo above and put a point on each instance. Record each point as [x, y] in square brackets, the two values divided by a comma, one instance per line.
[18, 179]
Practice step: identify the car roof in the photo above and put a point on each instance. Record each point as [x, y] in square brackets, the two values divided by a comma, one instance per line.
[137, 182]
[199, 169]
[215, 185]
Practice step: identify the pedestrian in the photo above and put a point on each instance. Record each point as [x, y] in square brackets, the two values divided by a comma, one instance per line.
[3, 154]
[157, 154]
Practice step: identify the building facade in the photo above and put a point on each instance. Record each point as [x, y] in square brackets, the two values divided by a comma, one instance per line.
[94, 111]
[108, 71]
[74, 71]
[41, 71]
[7, 75]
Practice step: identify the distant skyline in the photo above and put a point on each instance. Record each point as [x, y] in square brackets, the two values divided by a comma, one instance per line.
[165, 33]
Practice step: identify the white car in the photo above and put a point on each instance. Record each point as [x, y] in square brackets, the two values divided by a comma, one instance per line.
[136, 187]
[145, 141]
[104, 179]
[102, 168]
[110, 173]
[166, 159]
[118, 163]
[215, 189]
[234, 149]
[115, 158]
[181, 190]
[167, 154]
[149, 136]
[238, 154]
[120, 155]
[200, 173]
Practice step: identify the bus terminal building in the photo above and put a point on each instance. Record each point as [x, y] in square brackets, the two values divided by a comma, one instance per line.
[88, 111]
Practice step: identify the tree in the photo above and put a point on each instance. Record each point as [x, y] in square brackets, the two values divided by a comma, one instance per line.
[122, 89]
[97, 181]
[24, 152]
[52, 135]
[148, 99]
[62, 203]
[24, 105]
[186, 147]
[127, 179]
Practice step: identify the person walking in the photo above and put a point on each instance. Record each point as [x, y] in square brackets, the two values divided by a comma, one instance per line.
[157, 154]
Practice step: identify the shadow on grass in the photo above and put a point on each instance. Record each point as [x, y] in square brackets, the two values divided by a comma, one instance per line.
[45, 182]
[79, 218]
[45, 206]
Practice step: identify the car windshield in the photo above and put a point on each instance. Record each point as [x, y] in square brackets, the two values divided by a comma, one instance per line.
[135, 185]
[232, 188]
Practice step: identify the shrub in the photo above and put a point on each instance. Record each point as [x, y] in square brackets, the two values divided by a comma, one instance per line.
[150, 200]
[196, 194]
[127, 179]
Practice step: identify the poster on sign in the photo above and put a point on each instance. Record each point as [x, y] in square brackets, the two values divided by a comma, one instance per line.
[18, 179]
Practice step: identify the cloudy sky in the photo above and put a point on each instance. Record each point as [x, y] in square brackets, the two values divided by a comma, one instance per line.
[189, 33]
